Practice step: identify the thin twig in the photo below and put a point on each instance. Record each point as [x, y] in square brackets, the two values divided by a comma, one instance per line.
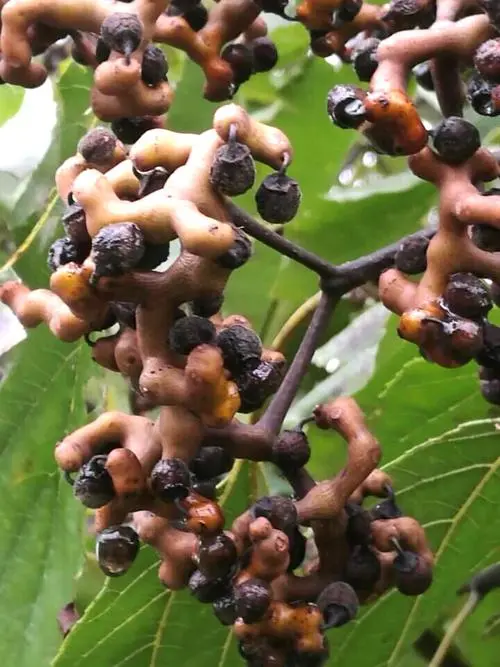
[453, 628]
[280, 404]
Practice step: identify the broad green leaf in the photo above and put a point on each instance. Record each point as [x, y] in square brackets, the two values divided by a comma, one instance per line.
[41, 546]
[11, 98]
[441, 446]
[136, 622]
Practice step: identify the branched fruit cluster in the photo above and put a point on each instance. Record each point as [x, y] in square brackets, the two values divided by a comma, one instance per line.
[132, 190]
[156, 481]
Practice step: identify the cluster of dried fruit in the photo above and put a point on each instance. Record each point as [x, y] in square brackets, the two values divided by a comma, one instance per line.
[115, 39]
[442, 41]
[156, 481]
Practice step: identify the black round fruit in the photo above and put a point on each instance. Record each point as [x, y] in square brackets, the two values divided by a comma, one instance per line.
[205, 589]
[130, 130]
[345, 106]
[278, 510]
[456, 140]
[411, 256]
[217, 555]
[116, 549]
[63, 251]
[154, 66]
[238, 254]
[170, 480]
[240, 58]
[122, 32]
[467, 296]
[211, 462]
[93, 485]
[265, 54]
[338, 603]
[291, 450]
[252, 599]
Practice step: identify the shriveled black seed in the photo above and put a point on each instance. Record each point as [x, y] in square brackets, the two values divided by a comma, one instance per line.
[456, 140]
[117, 249]
[63, 251]
[256, 386]
[252, 600]
[189, 332]
[241, 349]
[154, 66]
[291, 450]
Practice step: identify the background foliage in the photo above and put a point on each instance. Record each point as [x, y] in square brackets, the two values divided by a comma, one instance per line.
[440, 439]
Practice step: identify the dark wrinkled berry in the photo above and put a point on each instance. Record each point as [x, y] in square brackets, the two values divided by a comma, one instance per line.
[252, 599]
[124, 311]
[122, 32]
[206, 306]
[362, 570]
[413, 575]
[154, 255]
[489, 384]
[211, 462]
[238, 254]
[116, 550]
[489, 354]
[278, 510]
[411, 257]
[487, 60]
[130, 130]
[63, 251]
[338, 603]
[278, 198]
[467, 296]
[225, 609]
[233, 169]
[170, 479]
[217, 555]
[117, 249]
[93, 485]
[423, 75]
[409, 14]
[206, 589]
[194, 13]
[364, 59]
[456, 140]
[358, 530]
[152, 181]
[97, 146]
[240, 58]
[480, 96]
[154, 66]
[291, 450]
[265, 54]
[241, 349]
[256, 386]
[74, 223]
[189, 332]
[345, 106]
[102, 51]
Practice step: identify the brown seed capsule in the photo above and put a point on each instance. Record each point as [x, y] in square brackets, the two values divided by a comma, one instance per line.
[233, 169]
[278, 198]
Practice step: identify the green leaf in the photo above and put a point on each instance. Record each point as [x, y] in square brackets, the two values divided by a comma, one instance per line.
[136, 622]
[11, 98]
[41, 545]
[440, 444]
